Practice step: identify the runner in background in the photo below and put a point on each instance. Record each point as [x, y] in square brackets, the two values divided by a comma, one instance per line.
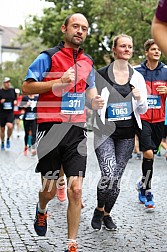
[155, 75]
[7, 98]
[17, 111]
[28, 106]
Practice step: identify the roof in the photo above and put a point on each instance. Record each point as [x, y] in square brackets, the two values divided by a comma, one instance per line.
[9, 34]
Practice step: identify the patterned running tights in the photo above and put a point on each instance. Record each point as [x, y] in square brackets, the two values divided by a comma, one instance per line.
[112, 156]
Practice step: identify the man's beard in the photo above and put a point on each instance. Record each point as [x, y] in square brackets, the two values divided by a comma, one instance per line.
[77, 43]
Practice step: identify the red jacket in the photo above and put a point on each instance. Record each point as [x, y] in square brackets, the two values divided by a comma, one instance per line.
[49, 104]
[153, 79]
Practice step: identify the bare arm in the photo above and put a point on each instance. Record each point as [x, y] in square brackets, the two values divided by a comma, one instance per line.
[159, 33]
[36, 87]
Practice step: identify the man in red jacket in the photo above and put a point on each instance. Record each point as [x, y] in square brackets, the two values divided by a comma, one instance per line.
[155, 75]
[62, 76]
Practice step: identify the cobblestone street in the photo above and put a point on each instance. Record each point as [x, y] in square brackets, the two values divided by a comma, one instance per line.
[137, 231]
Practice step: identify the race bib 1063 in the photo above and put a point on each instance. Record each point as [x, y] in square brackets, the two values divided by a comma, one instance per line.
[119, 111]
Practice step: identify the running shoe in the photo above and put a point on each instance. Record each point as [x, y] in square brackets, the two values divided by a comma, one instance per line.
[2, 147]
[25, 151]
[72, 247]
[149, 202]
[141, 195]
[108, 223]
[8, 144]
[96, 222]
[61, 193]
[40, 223]
[33, 152]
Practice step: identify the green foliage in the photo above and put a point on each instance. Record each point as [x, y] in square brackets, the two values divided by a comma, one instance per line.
[132, 17]
[107, 18]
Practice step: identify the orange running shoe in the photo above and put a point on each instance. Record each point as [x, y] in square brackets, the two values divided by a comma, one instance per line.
[25, 151]
[72, 247]
[61, 193]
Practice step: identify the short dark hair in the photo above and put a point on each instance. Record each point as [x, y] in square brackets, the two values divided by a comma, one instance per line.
[148, 44]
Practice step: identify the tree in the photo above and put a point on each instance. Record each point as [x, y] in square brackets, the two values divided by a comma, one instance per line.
[107, 18]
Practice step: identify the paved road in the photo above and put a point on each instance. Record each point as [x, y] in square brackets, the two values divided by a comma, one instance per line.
[138, 231]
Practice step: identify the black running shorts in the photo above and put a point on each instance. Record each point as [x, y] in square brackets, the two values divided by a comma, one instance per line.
[150, 136]
[6, 117]
[61, 144]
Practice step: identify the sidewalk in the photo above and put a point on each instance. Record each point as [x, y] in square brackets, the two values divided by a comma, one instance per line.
[138, 231]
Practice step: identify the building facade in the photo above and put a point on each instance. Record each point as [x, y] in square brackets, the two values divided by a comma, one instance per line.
[9, 47]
